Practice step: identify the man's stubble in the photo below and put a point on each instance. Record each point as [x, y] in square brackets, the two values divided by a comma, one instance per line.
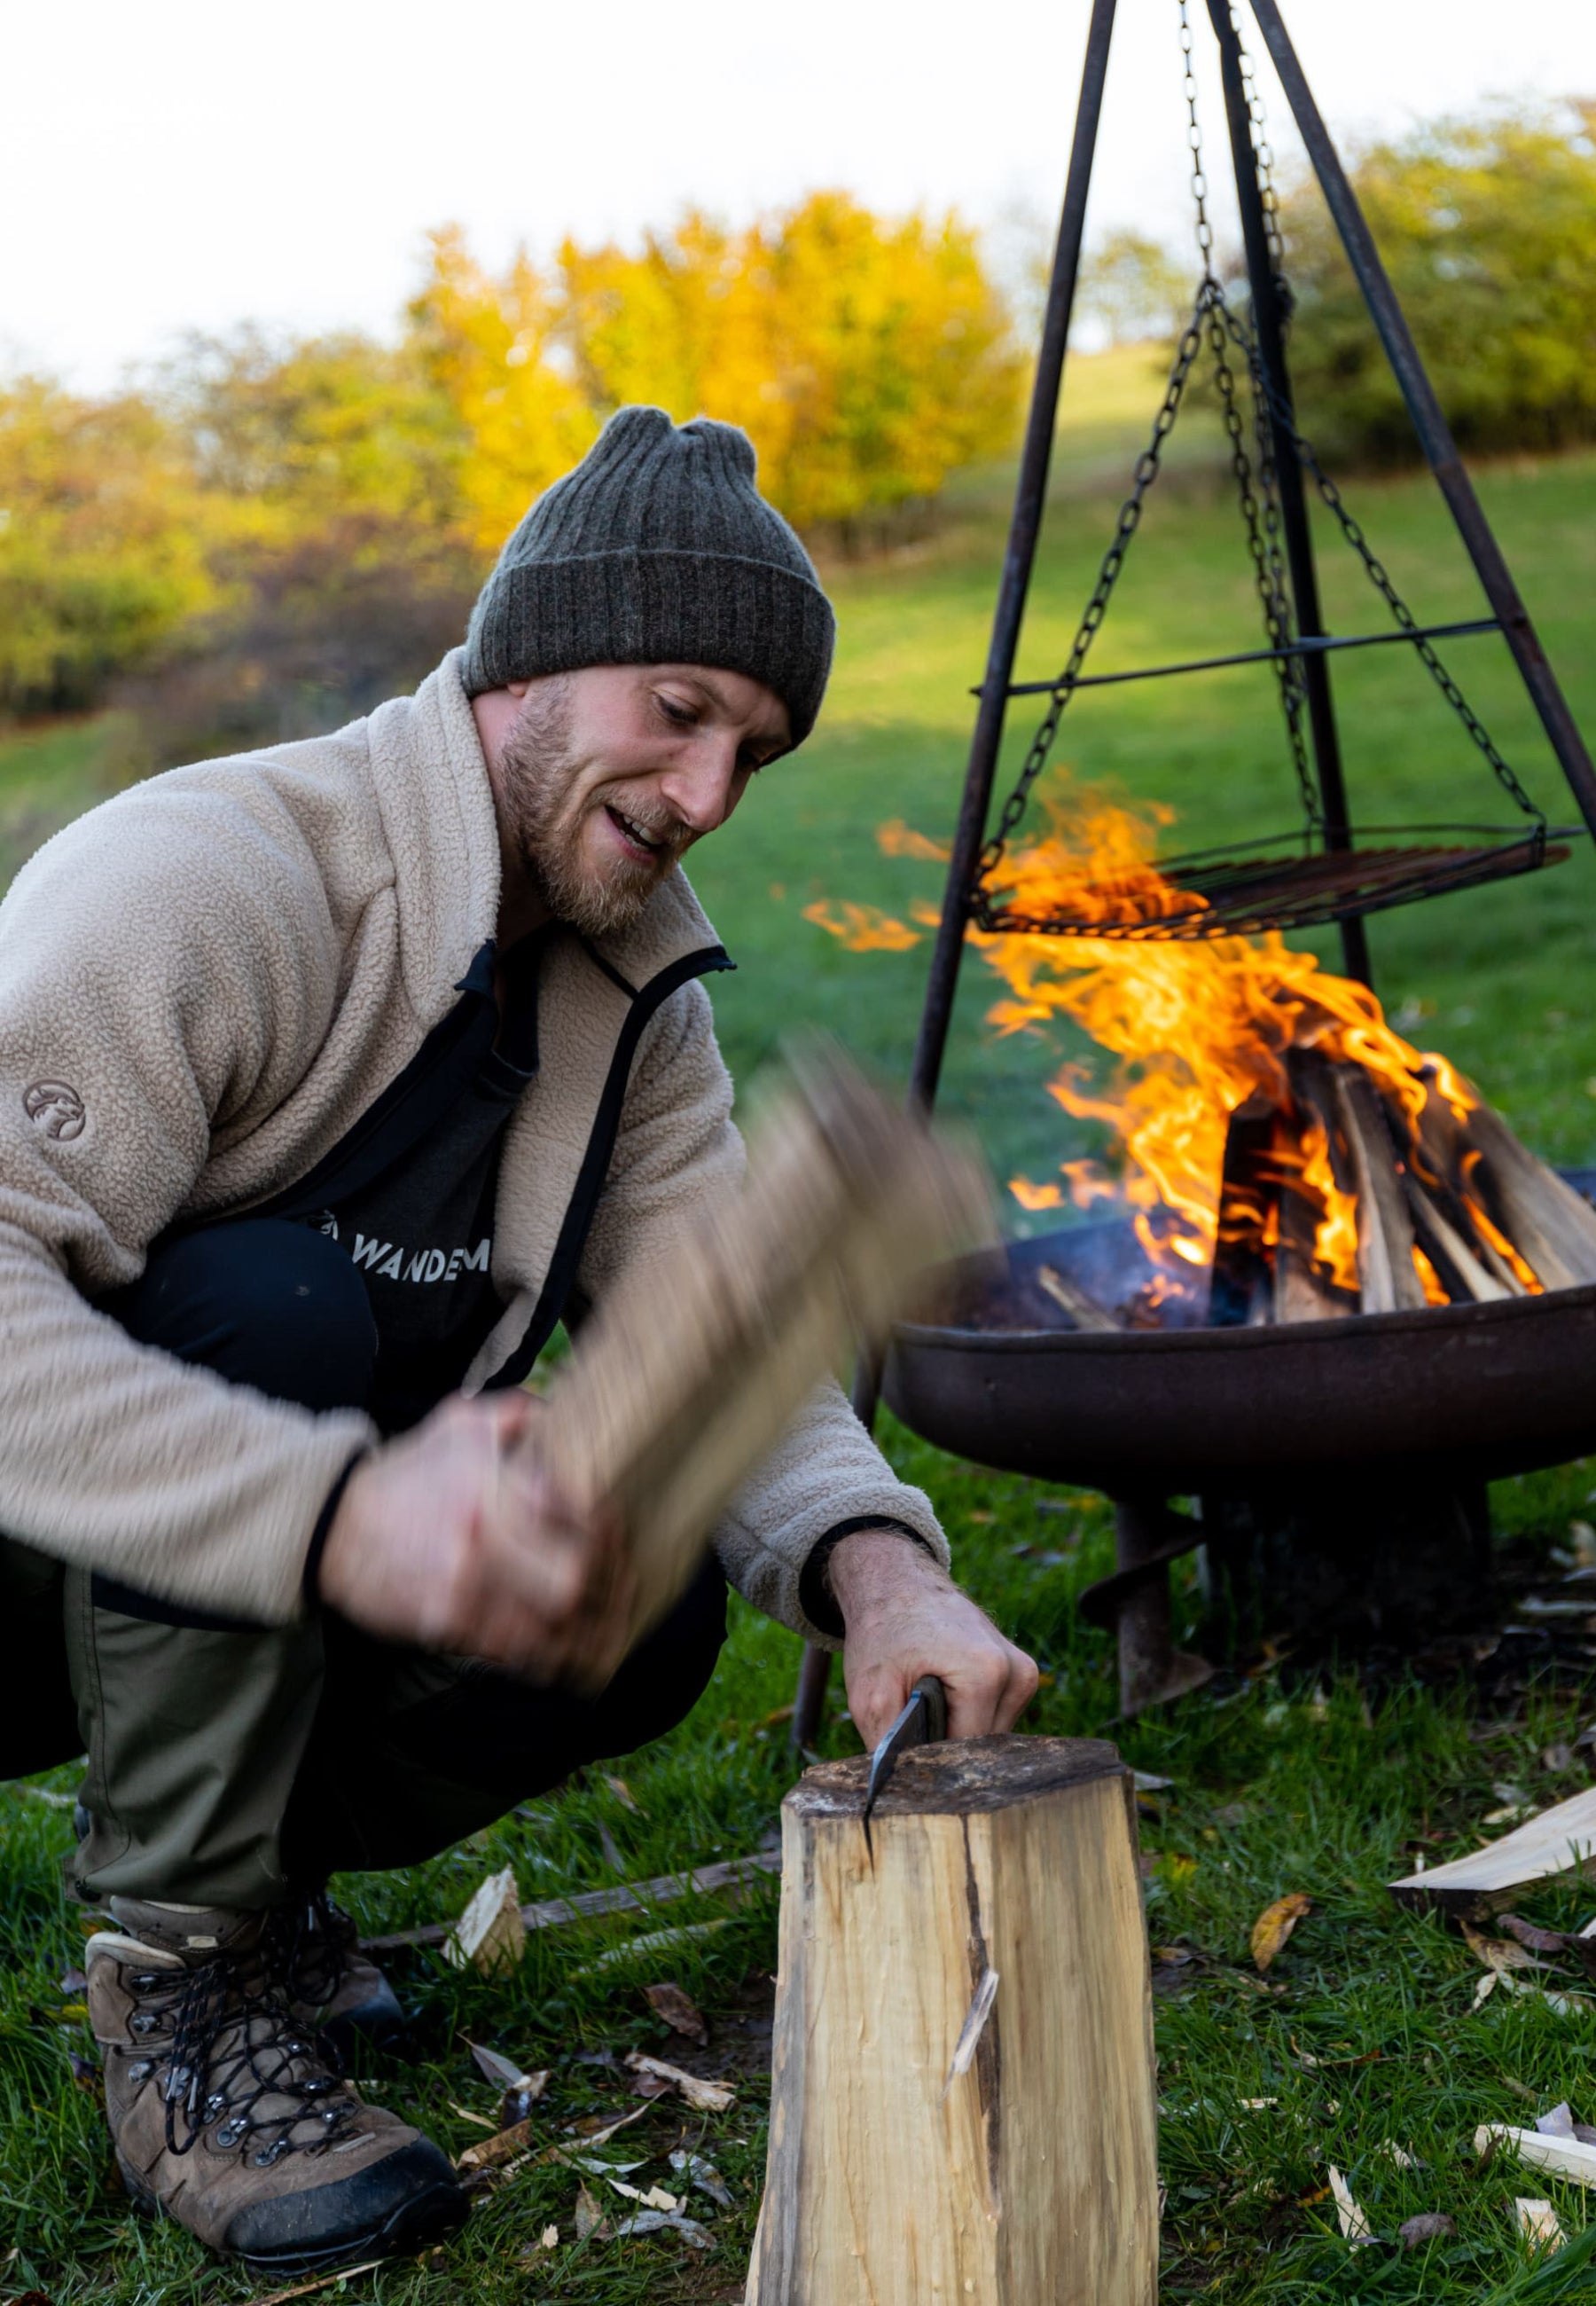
[538, 772]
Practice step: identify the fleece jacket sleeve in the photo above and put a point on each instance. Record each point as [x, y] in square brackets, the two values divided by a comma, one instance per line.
[677, 1148]
[167, 971]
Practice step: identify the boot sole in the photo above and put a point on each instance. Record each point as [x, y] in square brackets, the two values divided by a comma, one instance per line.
[427, 2216]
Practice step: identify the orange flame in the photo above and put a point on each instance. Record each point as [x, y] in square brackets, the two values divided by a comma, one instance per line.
[1198, 1026]
[862, 928]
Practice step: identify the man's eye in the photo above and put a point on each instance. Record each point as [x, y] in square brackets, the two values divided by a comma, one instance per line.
[681, 716]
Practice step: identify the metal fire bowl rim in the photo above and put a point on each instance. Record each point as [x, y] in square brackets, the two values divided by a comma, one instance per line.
[1271, 1337]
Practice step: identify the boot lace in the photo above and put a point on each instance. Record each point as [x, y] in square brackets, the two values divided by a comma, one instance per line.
[308, 1946]
[233, 2057]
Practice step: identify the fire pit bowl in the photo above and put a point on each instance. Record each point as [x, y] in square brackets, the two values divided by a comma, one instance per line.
[1492, 1389]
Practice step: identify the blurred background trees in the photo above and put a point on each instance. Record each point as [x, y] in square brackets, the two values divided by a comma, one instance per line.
[274, 535]
[269, 535]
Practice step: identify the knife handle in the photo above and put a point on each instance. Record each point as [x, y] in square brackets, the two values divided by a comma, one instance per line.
[936, 1708]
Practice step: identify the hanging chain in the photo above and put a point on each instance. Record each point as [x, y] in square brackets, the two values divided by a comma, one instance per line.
[1213, 318]
[1200, 183]
[1147, 469]
[1379, 577]
[1263, 155]
[1263, 544]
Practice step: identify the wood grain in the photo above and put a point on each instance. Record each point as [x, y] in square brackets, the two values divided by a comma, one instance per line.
[920, 2149]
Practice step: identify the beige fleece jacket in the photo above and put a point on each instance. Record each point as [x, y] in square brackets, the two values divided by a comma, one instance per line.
[203, 984]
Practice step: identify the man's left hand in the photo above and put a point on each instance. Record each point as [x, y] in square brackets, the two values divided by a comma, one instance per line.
[904, 1617]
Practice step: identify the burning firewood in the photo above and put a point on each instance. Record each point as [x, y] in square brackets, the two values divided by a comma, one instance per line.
[1411, 1186]
[1387, 1279]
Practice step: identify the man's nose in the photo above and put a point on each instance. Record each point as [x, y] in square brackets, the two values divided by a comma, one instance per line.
[699, 789]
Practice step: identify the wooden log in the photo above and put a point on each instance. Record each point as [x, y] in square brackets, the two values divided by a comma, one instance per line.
[1388, 1279]
[1070, 1298]
[1552, 1228]
[688, 1375]
[1241, 1285]
[1463, 1276]
[963, 2103]
[1556, 1841]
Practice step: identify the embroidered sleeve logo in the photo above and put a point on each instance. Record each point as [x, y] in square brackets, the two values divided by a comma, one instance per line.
[56, 1110]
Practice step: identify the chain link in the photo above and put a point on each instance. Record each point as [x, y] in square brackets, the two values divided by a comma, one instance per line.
[1147, 469]
[1200, 183]
[1212, 318]
[1379, 577]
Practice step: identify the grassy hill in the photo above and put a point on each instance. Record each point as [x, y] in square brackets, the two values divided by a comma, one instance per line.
[1278, 1785]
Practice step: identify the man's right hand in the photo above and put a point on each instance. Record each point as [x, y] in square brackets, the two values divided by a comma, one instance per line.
[453, 1538]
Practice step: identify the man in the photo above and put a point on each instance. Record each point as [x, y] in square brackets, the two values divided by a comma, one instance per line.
[331, 1078]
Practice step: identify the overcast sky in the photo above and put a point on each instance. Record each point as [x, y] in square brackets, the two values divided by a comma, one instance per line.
[174, 166]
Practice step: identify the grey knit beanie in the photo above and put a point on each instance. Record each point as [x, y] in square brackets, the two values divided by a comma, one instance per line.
[657, 549]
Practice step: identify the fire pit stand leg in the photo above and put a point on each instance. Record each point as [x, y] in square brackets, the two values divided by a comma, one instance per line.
[1152, 1670]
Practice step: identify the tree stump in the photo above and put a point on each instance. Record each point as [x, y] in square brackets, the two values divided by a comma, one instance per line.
[963, 2103]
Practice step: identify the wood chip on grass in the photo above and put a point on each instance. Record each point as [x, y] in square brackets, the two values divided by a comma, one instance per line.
[1348, 2214]
[703, 2096]
[1538, 2224]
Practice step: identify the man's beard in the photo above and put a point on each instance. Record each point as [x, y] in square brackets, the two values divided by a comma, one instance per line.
[547, 811]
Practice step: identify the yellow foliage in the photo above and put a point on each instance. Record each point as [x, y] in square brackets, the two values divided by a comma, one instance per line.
[102, 545]
[868, 358]
[491, 346]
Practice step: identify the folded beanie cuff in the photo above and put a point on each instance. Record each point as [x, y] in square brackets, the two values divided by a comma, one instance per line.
[656, 607]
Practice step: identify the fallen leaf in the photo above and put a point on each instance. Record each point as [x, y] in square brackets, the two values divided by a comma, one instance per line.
[505, 2071]
[1430, 2225]
[705, 2176]
[1399, 2154]
[783, 1713]
[1573, 1944]
[1538, 2224]
[623, 1794]
[1557, 1757]
[677, 2008]
[606, 2130]
[1276, 1924]
[1485, 1989]
[647, 2222]
[465, 2114]
[588, 2217]
[612, 1850]
[550, 2237]
[490, 2152]
[1146, 1783]
[1355, 2225]
[1499, 1954]
[703, 2096]
[73, 1982]
[84, 2071]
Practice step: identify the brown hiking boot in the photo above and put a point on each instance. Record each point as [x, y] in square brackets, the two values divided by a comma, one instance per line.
[224, 2110]
[328, 1983]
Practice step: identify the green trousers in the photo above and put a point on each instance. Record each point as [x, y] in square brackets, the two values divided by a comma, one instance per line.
[235, 1767]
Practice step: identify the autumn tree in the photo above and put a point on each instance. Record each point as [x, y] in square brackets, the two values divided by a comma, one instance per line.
[102, 548]
[1488, 228]
[868, 359]
[491, 347]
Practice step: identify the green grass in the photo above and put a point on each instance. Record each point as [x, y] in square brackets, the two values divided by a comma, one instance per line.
[1275, 1786]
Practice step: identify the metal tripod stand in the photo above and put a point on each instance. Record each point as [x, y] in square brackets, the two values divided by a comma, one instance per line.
[1311, 664]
